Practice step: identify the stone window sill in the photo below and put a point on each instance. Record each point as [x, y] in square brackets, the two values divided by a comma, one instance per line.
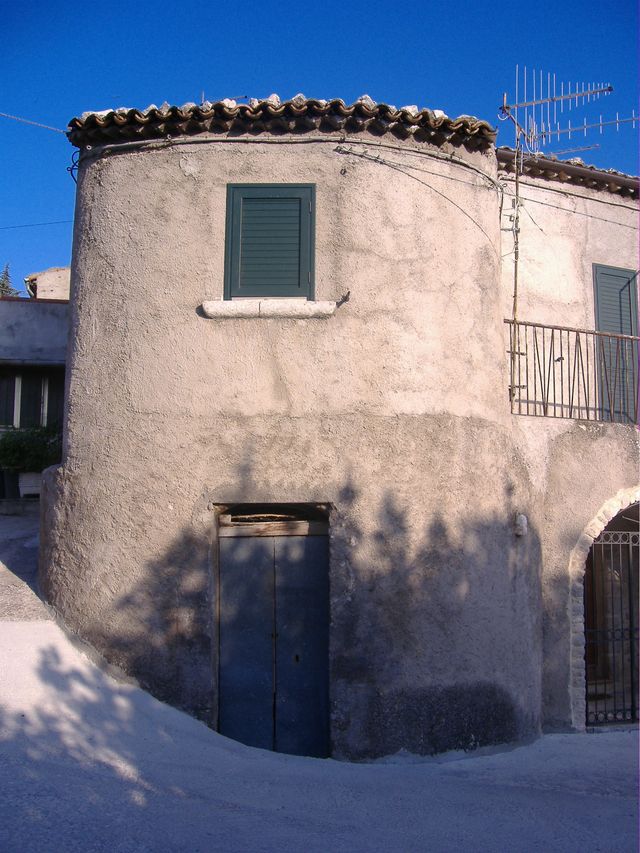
[299, 309]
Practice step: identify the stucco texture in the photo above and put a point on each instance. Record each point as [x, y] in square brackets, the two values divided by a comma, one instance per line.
[576, 467]
[394, 411]
[564, 231]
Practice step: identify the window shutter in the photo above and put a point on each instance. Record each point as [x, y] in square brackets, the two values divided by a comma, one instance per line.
[269, 247]
[616, 300]
[616, 312]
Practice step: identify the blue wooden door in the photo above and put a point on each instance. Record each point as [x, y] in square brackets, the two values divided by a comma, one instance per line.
[245, 681]
[274, 642]
[302, 645]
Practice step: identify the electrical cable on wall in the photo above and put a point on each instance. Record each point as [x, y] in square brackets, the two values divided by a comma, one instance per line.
[155, 144]
[389, 164]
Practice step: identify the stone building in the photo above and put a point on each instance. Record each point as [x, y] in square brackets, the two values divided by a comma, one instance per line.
[33, 346]
[324, 487]
[52, 283]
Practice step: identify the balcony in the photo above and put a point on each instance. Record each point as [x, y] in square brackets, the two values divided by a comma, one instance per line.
[560, 372]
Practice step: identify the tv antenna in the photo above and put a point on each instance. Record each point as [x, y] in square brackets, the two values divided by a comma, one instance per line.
[234, 98]
[575, 150]
[541, 105]
[537, 121]
[547, 104]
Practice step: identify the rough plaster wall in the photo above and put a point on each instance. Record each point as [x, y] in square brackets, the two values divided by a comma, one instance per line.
[588, 465]
[52, 283]
[394, 410]
[606, 513]
[375, 227]
[435, 638]
[575, 467]
[154, 622]
[564, 231]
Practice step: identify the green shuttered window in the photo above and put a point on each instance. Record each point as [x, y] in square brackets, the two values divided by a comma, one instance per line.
[616, 313]
[270, 240]
[616, 300]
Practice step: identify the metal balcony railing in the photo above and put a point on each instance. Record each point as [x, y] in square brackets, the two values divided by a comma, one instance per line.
[560, 372]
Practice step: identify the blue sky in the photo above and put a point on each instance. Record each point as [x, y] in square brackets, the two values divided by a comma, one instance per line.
[61, 59]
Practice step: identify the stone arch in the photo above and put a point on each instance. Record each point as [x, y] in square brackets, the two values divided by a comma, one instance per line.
[577, 565]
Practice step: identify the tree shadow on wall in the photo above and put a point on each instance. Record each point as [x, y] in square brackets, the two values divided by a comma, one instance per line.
[167, 643]
[440, 630]
[435, 627]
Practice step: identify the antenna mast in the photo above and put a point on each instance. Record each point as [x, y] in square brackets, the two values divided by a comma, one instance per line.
[536, 123]
[537, 117]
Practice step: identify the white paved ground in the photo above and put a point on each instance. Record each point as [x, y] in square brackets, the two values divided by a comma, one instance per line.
[91, 764]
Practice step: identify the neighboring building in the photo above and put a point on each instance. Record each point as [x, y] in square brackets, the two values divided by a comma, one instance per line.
[575, 363]
[52, 283]
[33, 346]
[316, 491]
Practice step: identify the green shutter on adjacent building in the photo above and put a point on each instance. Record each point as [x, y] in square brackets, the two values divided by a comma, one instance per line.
[616, 313]
[616, 300]
[270, 240]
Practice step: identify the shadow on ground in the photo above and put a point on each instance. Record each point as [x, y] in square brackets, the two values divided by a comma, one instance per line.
[88, 764]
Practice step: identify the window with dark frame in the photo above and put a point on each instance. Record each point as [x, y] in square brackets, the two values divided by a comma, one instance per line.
[31, 397]
[270, 236]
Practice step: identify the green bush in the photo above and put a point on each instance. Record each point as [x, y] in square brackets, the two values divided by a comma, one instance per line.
[30, 449]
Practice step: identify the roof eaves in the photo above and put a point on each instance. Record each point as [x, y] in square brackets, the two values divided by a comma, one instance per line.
[573, 172]
[271, 115]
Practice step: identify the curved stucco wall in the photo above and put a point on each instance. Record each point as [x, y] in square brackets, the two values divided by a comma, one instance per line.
[394, 410]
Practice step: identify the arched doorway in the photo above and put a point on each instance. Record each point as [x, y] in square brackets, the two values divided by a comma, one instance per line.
[611, 621]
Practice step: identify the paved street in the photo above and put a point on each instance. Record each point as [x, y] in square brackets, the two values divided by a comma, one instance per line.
[19, 567]
[88, 763]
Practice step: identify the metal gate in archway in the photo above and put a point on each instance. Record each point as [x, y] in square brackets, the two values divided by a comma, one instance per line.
[611, 628]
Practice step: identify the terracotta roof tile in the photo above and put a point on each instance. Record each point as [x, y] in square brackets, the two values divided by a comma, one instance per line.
[271, 115]
[573, 171]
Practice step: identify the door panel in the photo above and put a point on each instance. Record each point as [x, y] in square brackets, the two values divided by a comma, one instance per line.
[302, 645]
[246, 640]
[274, 642]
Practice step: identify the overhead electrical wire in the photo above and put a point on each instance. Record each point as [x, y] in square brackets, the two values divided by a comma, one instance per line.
[34, 123]
[36, 224]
